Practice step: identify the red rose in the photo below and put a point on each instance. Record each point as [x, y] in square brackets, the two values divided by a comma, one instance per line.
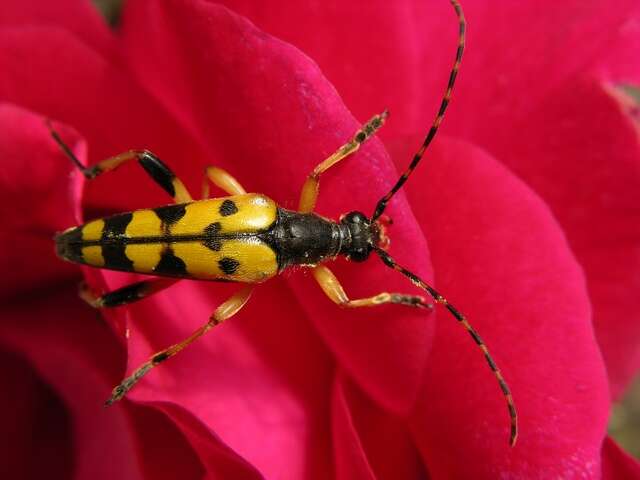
[522, 214]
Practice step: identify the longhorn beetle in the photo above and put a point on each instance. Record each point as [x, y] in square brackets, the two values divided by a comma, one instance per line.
[245, 238]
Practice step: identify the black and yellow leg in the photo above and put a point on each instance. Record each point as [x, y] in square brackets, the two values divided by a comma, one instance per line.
[156, 169]
[127, 294]
[310, 188]
[221, 179]
[224, 311]
[332, 288]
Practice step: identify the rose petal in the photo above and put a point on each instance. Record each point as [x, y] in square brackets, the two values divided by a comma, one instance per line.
[350, 458]
[78, 17]
[35, 423]
[368, 442]
[404, 65]
[517, 42]
[110, 110]
[616, 463]
[501, 259]
[370, 71]
[260, 381]
[35, 200]
[220, 460]
[538, 40]
[71, 350]
[271, 121]
[586, 165]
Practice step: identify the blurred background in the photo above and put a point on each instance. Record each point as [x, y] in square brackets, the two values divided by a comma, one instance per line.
[624, 424]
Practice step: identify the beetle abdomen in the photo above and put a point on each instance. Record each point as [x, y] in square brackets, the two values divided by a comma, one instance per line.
[216, 239]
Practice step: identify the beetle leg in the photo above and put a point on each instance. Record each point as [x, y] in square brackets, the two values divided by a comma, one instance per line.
[332, 288]
[224, 311]
[125, 295]
[156, 169]
[310, 188]
[221, 179]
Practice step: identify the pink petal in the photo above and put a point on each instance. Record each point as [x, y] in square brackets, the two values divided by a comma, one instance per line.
[500, 257]
[215, 458]
[510, 45]
[350, 457]
[398, 54]
[260, 381]
[78, 17]
[616, 463]
[268, 115]
[586, 165]
[71, 351]
[36, 200]
[109, 109]
[370, 51]
[52, 328]
[522, 52]
[35, 423]
[368, 442]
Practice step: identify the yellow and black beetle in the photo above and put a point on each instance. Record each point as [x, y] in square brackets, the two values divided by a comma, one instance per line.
[244, 238]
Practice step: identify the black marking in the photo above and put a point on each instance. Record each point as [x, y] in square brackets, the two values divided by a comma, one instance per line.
[171, 213]
[124, 295]
[458, 315]
[303, 238]
[171, 265]
[229, 265]
[212, 237]
[113, 251]
[503, 387]
[491, 363]
[160, 357]
[475, 336]
[228, 207]
[158, 171]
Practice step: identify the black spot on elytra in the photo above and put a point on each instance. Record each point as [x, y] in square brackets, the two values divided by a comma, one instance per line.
[227, 208]
[229, 265]
[169, 264]
[212, 237]
[171, 213]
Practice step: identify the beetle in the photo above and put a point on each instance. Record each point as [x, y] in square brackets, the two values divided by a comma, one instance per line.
[246, 238]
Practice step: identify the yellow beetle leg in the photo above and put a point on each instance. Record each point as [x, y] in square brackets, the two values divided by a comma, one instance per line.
[332, 288]
[127, 294]
[310, 188]
[156, 169]
[224, 311]
[221, 179]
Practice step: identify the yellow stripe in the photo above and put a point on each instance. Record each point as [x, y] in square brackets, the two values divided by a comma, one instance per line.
[144, 256]
[93, 230]
[144, 223]
[93, 255]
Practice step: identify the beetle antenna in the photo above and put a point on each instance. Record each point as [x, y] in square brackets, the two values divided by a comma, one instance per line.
[390, 262]
[382, 203]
